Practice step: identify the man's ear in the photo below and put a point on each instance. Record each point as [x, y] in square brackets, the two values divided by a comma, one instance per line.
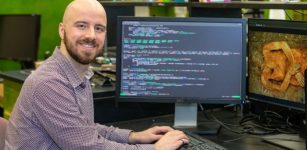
[61, 30]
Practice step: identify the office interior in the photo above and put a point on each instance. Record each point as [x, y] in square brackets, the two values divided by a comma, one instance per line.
[250, 124]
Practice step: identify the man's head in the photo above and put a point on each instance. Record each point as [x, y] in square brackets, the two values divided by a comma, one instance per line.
[83, 30]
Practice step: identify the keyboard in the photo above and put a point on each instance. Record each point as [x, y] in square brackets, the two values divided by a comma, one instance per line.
[26, 71]
[200, 143]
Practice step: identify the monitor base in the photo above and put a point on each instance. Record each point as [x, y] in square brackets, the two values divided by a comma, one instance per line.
[203, 128]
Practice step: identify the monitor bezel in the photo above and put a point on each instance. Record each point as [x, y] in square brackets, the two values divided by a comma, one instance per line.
[274, 25]
[180, 99]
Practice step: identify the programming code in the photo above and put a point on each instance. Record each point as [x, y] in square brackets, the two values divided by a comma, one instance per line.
[181, 59]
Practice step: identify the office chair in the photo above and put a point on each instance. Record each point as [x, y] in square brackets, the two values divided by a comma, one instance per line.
[3, 123]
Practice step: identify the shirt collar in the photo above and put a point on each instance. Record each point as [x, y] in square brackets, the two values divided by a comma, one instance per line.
[70, 71]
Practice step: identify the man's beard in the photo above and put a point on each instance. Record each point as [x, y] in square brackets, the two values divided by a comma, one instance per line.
[72, 50]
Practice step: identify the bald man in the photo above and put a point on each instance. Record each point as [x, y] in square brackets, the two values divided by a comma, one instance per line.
[55, 107]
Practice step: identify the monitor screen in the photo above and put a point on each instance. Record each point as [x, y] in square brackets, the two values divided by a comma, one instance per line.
[19, 37]
[277, 54]
[181, 60]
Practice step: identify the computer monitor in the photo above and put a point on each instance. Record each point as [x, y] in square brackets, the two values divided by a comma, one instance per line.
[277, 59]
[113, 12]
[185, 61]
[19, 37]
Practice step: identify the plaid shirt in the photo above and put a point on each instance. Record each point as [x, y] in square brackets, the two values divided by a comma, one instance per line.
[55, 111]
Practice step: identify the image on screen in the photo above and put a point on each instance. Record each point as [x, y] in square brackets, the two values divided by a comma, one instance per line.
[277, 61]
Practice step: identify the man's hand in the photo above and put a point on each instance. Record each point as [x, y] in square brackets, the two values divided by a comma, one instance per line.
[172, 140]
[148, 136]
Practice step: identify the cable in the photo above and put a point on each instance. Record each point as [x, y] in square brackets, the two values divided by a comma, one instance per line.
[225, 126]
[290, 18]
[244, 129]
[266, 112]
[267, 123]
[232, 140]
[302, 13]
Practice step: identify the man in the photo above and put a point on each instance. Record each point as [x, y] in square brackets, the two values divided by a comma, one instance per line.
[55, 107]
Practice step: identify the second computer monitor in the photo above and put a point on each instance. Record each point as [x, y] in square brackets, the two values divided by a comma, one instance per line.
[19, 38]
[181, 60]
[277, 61]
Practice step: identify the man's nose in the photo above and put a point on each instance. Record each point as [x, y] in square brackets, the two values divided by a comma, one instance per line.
[90, 33]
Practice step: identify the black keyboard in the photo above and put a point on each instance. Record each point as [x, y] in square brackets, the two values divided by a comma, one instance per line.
[26, 71]
[200, 143]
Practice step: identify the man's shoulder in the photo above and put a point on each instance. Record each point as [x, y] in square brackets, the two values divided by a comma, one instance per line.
[47, 73]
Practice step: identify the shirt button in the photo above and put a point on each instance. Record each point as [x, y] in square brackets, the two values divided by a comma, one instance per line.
[82, 85]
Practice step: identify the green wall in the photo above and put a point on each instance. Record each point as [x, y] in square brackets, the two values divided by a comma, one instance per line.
[51, 12]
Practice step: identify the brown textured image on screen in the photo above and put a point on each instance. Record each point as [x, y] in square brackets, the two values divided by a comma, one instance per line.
[276, 65]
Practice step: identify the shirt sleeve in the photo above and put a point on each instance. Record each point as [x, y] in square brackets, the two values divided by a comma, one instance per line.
[113, 133]
[59, 116]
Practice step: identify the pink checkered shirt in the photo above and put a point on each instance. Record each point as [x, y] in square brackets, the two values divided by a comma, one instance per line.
[55, 111]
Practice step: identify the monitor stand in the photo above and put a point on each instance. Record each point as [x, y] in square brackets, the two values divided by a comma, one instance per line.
[186, 119]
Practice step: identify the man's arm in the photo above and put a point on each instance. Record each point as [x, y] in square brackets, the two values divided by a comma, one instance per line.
[59, 114]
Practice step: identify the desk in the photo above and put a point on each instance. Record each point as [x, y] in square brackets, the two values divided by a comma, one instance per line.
[106, 108]
[13, 81]
[20, 76]
[226, 138]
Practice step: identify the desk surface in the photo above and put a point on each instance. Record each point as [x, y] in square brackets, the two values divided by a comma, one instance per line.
[226, 138]
[20, 76]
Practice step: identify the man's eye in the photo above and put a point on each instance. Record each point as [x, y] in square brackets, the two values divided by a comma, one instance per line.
[81, 26]
[100, 29]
